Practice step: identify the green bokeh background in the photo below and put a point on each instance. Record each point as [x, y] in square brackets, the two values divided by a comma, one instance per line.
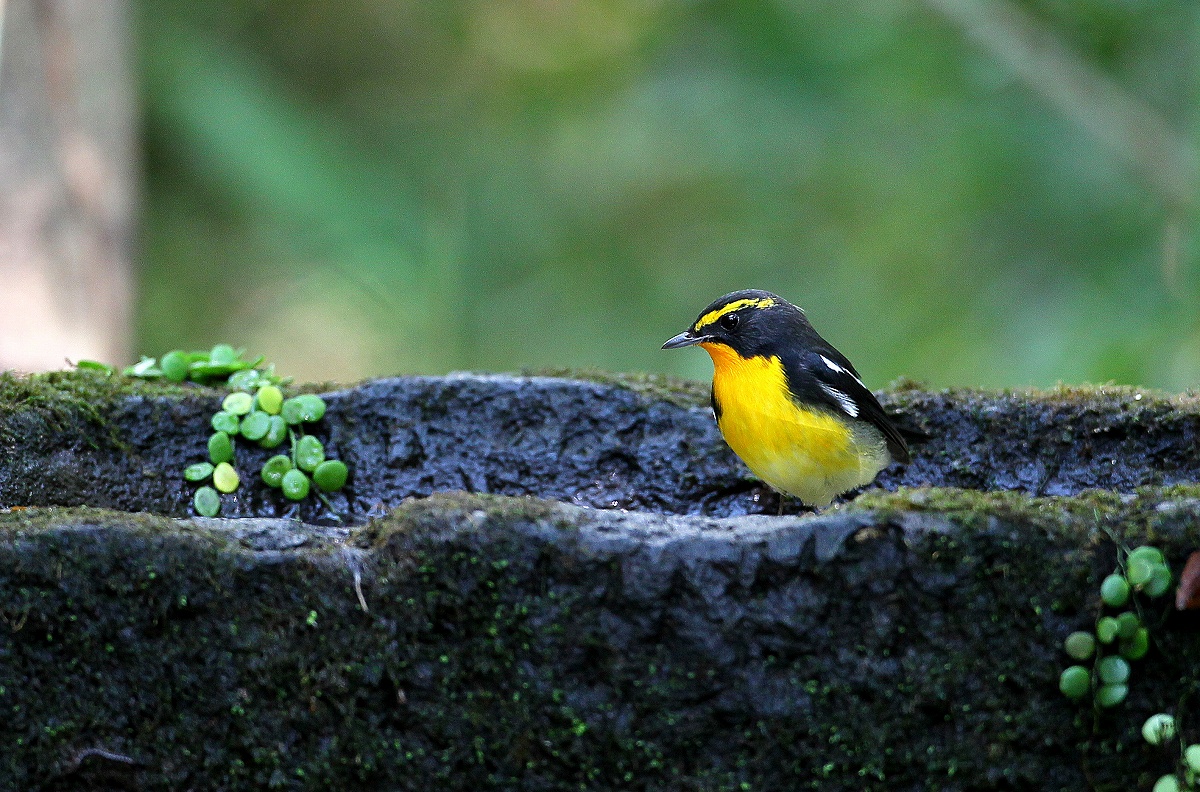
[372, 187]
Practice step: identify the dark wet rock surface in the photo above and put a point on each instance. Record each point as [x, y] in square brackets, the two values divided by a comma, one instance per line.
[583, 442]
[473, 640]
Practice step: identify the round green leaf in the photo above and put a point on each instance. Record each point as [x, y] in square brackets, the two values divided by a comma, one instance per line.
[1191, 756]
[1111, 695]
[1075, 682]
[1106, 629]
[222, 354]
[312, 407]
[202, 371]
[309, 453]
[1080, 645]
[292, 411]
[1138, 570]
[198, 472]
[1135, 648]
[1114, 591]
[226, 422]
[1158, 728]
[1167, 783]
[244, 380]
[295, 485]
[274, 469]
[238, 403]
[270, 399]
[174, 366]
[1148, 553]
[277, 432]
[207, 502]
[220, 448]
[96, 366]
[225, 478]
[1160, 581]
[1113, 670]
[1127, 624]
[144, 368]
[255, 425]
[331, 474]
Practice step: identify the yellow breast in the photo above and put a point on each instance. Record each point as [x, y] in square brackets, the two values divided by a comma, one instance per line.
[810, 454]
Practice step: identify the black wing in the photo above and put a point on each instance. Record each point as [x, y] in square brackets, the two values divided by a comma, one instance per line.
[823, 375]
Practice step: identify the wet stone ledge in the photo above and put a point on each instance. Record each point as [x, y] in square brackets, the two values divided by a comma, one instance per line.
[634, 443]
[909, 639]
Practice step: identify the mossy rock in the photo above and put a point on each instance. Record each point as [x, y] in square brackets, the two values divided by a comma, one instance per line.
[909, 639]
[609, 441]
[911, 643]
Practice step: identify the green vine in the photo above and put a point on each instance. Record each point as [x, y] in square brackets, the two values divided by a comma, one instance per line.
[1141, 572]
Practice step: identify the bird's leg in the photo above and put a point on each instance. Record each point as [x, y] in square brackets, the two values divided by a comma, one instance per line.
[782, 500]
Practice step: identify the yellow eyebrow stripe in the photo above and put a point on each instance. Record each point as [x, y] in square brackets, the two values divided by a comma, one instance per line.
[712, 316]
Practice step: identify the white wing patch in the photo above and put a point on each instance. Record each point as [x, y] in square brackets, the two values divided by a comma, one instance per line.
[841, 370]
[847, 404]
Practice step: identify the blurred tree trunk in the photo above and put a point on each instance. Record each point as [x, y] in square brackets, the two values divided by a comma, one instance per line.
[67, 182]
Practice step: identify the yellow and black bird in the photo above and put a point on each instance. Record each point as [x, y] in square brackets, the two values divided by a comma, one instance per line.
[788, 403]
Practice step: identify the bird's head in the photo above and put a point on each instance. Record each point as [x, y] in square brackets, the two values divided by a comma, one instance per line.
[751, 322]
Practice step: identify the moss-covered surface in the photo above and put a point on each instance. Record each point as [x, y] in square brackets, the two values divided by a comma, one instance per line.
[76, 402]
[600, 440]
[674, 390]
[64, 392]
[909, 641]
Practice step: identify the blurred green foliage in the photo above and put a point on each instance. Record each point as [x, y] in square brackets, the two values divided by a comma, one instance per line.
[379, 186]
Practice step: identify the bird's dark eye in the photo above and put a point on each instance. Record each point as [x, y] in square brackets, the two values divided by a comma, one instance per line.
[730, 321]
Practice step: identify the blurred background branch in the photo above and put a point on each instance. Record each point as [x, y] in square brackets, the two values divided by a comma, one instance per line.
[1161, 155]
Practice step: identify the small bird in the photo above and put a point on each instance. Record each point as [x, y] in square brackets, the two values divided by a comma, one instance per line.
[788, 403]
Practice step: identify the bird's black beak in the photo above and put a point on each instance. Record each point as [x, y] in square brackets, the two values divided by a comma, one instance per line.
[685, 339]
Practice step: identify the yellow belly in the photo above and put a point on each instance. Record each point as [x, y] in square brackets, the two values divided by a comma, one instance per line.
[810, 454]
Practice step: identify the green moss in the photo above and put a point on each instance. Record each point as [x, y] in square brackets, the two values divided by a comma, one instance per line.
[75, 390]
[40, 520]
[66, 400]
[674, 390]
[1095, 512]
[419, 515]
[957, 504]
[1099, 399]
[63, 397]
[901, 392]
